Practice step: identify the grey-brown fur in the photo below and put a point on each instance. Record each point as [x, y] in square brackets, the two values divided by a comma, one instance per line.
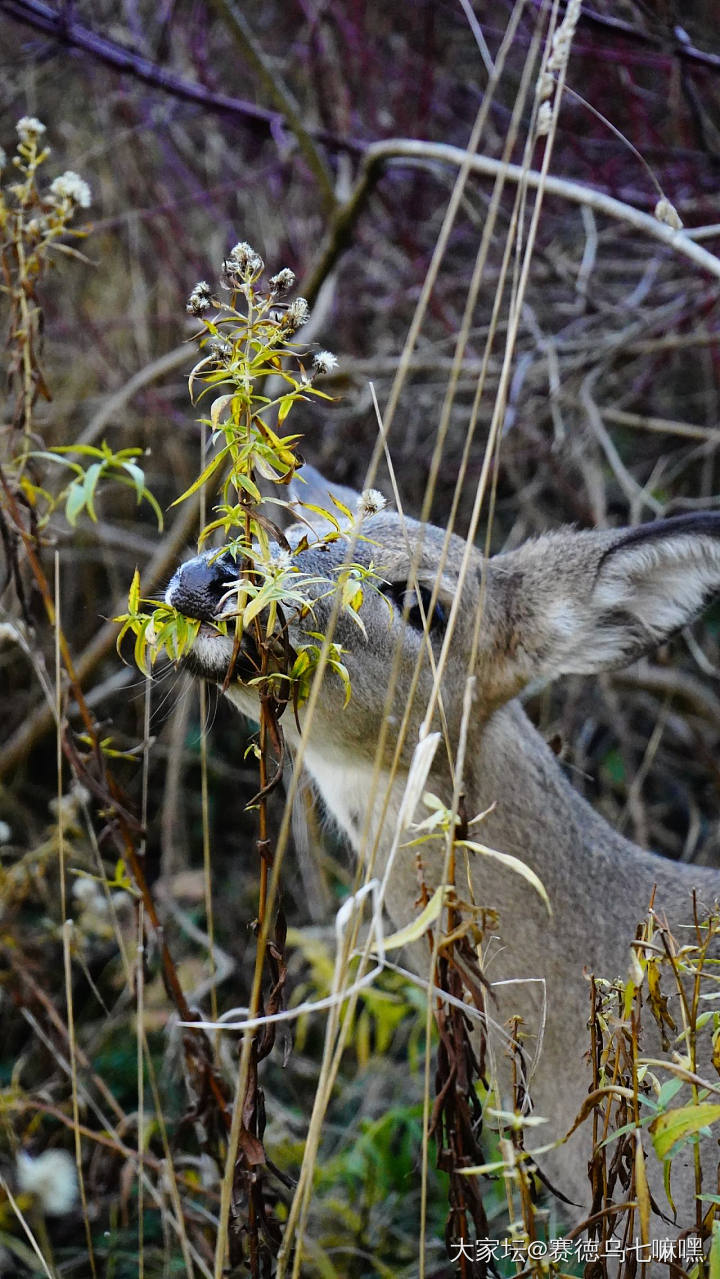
[567, 602]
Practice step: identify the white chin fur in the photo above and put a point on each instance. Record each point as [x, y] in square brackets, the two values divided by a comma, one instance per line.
[211, 654]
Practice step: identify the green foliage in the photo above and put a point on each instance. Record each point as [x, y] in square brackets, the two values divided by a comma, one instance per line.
[245, 341]
[163, 630]
[79, 494]
[35, 221]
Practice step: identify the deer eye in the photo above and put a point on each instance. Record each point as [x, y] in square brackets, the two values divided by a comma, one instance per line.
[404, 597]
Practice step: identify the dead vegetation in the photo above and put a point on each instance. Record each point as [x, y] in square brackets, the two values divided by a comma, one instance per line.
[576, 331]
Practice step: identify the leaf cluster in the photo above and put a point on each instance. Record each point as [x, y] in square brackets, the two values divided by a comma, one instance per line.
[255, 372]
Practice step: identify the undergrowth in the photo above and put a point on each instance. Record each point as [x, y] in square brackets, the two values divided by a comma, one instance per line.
[119, 1155]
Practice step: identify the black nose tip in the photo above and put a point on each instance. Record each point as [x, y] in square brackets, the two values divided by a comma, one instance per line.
[199, 585]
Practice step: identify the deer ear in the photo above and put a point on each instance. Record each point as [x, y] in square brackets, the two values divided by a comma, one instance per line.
[585, 602]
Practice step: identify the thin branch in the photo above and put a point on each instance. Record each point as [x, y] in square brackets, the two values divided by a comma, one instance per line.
[576, 192]
[273, 86]
[673, 45]
[42, 17]
[40, 720]
[380, 154]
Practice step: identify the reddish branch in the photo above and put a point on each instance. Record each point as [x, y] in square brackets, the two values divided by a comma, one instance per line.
[57, 25]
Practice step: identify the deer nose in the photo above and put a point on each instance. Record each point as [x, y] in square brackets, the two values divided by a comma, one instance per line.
[199, 585]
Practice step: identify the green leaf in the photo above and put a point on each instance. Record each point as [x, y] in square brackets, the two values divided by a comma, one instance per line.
[137, 476]
[85, 450]
[285, 405]
[141, 647]
[149, 497]
[60, 461]
[92, 475]
[217, 407]
[204, 476]
[342, 672]
[320, 510]
[668, 1091]
[244, 482]
[75, 502]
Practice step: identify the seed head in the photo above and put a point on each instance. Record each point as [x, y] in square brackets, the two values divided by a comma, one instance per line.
[281, 283]
[35, 228]
[280, 559]
[563, 37]
[69, 186]
[29, 128]
[51, 1178]
[297, 314]
[545, 86]
[666, 212]
[200, 298]
[324, 362]
[220, 347]
[370, 502]
[85, 890]
[544, 119]
[243, 263]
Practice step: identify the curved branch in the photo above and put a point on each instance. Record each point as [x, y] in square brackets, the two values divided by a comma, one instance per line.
[380, 154]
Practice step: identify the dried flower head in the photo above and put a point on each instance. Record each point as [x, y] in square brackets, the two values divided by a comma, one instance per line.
[29, 128]
[70, 186]
[324, 362]
[563, 37]
[51, 1178]
[280, 559]
[220, 347]
[297, 314]
[80, 792]
[35, 228]
[66, 808]
[281, 283]
[85, 890]
[544, 119]
[243, 263]
[667, 213]
[545, 86]
[370, 502]
[200, 298]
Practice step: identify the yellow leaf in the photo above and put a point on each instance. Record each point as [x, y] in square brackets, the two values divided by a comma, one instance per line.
[217, 407]
[512, 863]
[641, 1190]
[683, 1122]
[418, 927]
[714, 1254]
[134, 592]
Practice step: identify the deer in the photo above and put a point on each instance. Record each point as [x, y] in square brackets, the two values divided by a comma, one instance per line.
[566, 602]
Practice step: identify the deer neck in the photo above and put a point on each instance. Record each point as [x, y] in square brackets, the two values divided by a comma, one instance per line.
[599, 884]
